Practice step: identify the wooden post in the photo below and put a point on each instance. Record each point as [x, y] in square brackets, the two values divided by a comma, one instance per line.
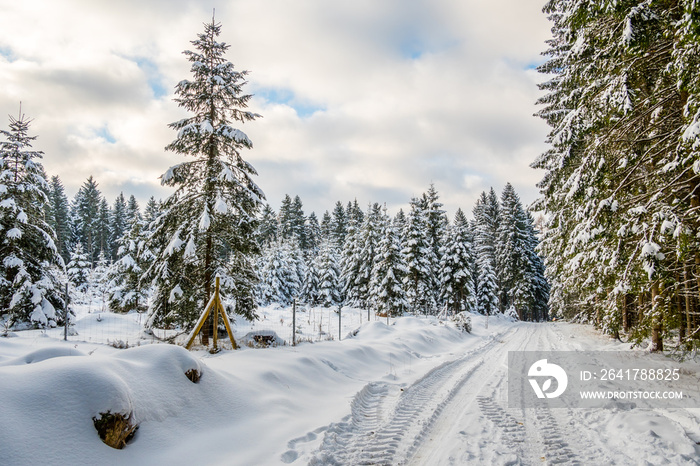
[67, 322]
[657, 342]
[294, 321]
[215, 316]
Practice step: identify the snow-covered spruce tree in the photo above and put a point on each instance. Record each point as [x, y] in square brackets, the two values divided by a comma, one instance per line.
[370, 235]
[513, 255]
[127, 292]
[118, 226]
[487, 291]
[212, 214]
[436, 222]
[133, 212]
[279, 278]
[621, 181]
[268, 226]
[309, 291]
[99, 280]
[350, 264]
[456, 265]
[29, 288]
[85, 212]
[58, 217]
[485, 237]
[152, 210]
[78, 269]
[104, 230]
[313, 234]
[329, 275]
[339, 225]
[419, 258]
[388, 293]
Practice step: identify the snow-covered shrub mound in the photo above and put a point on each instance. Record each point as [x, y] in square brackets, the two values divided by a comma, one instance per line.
[43, 354]
[511, 314]
[49, 394]
[463, 321]
[262, 339]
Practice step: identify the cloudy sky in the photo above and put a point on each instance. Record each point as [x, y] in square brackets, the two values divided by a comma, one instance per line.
[365, 99]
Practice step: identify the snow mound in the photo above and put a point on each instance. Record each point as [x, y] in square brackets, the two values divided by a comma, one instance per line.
[43, 354]
[63, 394]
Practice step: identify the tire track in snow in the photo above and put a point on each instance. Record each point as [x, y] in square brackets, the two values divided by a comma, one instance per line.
[377, 433]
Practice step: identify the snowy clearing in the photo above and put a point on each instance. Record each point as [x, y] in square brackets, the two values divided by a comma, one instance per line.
[416, 392]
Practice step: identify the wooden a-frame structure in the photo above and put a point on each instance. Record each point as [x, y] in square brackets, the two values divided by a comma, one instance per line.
[218, 308]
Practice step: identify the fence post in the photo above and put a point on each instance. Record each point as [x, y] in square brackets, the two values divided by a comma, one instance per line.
[67, 323]
[340, 321]
[294, 322]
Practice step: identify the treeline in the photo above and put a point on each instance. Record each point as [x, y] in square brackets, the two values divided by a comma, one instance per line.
[621, 183]
[415, 261]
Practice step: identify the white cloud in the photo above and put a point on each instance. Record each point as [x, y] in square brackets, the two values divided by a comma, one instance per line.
[360, 99]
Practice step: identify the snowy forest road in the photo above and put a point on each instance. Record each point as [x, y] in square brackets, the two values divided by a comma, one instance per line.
[457, 414]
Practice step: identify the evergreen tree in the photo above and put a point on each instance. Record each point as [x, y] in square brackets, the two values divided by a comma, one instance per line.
[513, 256]
[117, 226]
[368, 239]
[59, 217]
[79, 269]
[86, 214]
[29, 288]
[212, 216]
[456, 265]
[350, 264]
[339, 226]
[326, 223]
[485, 237]
[310, 290]
[267, 230]
[285, 218]
[419, 258]
[99, 280]
[329, 275]
[103, 229]
[127, 292]
[299, 224]
[152, 210]
[279, 276]
[313, 234]
[133, 212]
[387, 282]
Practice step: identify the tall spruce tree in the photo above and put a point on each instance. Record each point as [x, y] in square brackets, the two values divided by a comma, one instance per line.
[387, 286]
[59, 217]
[456, 265]
[212, 215]
[86, 217]
[419, 258]
[29, 287]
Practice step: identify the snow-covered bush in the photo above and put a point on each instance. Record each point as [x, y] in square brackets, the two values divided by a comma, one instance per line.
[463, 321]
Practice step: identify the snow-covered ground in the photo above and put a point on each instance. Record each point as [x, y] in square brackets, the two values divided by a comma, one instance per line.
[417, 392]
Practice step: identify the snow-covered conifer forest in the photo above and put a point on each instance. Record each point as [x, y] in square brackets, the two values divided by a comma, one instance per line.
[622, 176]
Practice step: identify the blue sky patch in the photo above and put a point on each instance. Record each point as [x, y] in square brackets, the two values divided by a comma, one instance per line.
[153, 76]
[8, 54]
[279, 95]
[104, 133]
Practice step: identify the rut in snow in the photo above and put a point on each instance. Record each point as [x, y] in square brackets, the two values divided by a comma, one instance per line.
[388, 423]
